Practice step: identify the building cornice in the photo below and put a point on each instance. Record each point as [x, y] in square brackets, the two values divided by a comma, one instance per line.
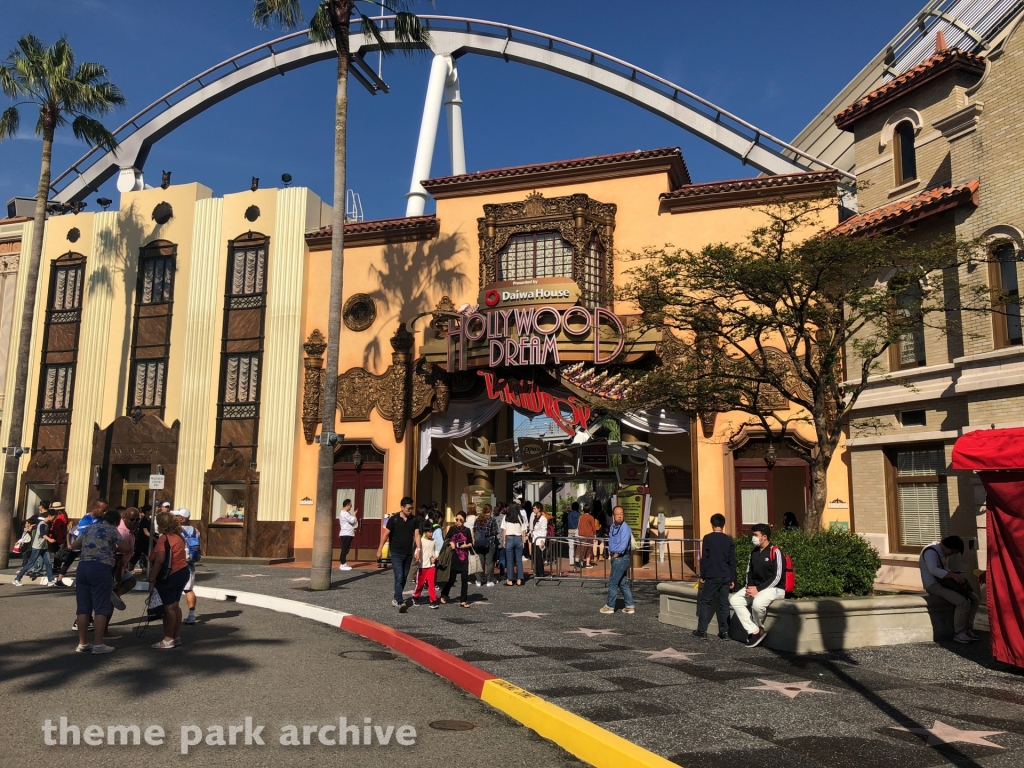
[406, 229]
[738, 192]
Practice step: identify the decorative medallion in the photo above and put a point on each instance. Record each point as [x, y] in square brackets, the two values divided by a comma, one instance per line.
[252, 213]
[162, 213]
[73, 234]
[359, 312]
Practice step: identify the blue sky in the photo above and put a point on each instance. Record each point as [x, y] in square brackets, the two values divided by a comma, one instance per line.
[774, 64]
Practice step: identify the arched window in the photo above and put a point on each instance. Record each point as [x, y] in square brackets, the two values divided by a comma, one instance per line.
[903, 152]
[533, 255]
[1006, 325]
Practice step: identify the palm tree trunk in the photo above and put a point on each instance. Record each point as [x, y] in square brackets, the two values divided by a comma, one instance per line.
[16, 409]
[323, 524]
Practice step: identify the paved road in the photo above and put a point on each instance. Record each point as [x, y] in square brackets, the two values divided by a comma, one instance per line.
[237, 662]
[708, 705]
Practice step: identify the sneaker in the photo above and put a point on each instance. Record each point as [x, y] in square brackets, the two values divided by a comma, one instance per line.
[74, 625]
[59, 583]
[700, 635]
[489, 584]
[755, 640]
[117, 602]
[723, 635]
[629, 609]
[190, 619]
[970, 634]
[606, 609]
[345, 567]
[51, 583]
[403, 608]
[435, 605]
[104, 648]
[394, 603]
[963, 637]
[16, 582]
[84, 648]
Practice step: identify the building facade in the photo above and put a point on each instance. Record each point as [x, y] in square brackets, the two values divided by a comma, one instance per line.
[184, 334]
[939, 154]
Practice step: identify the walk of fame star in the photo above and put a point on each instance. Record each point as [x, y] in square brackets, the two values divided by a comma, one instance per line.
[251, 575]
[792, 690]
[669, 653]
[940, 733]
[592, 632]
[526, 615]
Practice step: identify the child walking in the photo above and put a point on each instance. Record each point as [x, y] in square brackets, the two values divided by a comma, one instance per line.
[427, 571]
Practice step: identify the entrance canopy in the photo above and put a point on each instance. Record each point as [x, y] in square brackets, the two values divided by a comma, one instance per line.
[998, 456]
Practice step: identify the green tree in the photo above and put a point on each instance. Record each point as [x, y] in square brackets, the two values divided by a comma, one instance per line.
[798, 312]
[331, 21]
[46, 79]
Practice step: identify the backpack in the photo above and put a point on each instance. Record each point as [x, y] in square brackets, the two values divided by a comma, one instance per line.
[191, 536]
[480, 536]
[788, 575]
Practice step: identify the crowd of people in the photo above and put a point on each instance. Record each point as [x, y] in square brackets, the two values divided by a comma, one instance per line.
[110, 545]
[481, 541]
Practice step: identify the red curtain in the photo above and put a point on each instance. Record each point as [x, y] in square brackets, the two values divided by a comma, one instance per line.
[1005, 573]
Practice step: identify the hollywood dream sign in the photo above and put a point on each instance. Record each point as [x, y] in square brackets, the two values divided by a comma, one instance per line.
[530, 335]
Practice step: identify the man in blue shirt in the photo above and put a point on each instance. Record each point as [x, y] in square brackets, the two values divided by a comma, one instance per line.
[620, 542]
[573, 525]
[95, 515]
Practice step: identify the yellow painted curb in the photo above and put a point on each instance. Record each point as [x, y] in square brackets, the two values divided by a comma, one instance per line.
[572, 733]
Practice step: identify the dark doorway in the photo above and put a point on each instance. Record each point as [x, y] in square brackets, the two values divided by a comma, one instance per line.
[359, 476]
[765, 495]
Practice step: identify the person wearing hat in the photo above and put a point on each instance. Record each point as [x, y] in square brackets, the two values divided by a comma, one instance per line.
[191, 536]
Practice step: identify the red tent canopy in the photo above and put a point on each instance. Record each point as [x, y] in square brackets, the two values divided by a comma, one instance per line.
[986, 450]
[998, 457]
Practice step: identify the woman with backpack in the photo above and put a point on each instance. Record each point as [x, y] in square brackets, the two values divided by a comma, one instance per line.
[459, 538]
[171, 573]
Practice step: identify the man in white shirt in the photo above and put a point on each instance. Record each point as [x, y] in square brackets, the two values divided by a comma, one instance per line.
[938, 580]
[347, 524]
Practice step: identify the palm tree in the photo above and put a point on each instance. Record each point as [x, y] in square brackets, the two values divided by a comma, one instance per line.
[46, 79]
[332, 20]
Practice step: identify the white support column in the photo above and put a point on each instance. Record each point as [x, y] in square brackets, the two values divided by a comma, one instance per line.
[453, 114]
[417, 196]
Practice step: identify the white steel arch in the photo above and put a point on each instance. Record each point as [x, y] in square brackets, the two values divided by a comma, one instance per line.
[453, 36]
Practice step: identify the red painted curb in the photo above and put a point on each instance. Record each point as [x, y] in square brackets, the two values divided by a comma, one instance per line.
[465, 675]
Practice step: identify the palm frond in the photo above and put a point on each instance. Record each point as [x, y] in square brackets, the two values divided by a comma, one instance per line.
[9, 122]
[372, 32]
[286, 14]
[409, 28]
[9, 83]
[320, 29]
[93, 132]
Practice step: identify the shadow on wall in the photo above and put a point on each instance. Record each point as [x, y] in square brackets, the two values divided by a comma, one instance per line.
[124, 244]
[411, 279]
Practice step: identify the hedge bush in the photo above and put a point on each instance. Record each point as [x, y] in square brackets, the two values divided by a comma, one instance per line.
[829, 563]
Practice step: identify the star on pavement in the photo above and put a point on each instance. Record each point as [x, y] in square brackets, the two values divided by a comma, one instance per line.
[526, 615]
[592, 632]
[792, 690]
[251, 575]
[940, 733]
[669, 653]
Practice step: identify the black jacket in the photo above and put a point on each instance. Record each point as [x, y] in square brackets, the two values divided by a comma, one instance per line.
[765, 571]
[718, 557]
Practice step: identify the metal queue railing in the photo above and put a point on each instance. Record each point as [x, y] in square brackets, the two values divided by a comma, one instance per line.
[659, 559]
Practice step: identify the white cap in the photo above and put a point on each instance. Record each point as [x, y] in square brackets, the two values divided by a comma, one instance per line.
[182, 513]
[165, 504]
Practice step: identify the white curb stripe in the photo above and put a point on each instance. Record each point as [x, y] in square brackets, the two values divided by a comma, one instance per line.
[279, 604]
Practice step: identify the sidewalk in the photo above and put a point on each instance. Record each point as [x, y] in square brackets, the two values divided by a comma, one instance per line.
[698, 702]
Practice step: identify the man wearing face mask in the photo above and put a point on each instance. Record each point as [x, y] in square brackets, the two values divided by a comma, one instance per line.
[765, 584]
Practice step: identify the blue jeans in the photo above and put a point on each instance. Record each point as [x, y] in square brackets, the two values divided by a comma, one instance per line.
[618, 580]
[36, 555]
[401, 565]
[513, 558]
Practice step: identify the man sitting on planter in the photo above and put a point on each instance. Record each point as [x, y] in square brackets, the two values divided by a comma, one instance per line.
[951, 586]
[765, 584]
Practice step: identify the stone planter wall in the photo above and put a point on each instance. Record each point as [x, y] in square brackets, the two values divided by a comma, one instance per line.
[802, 626]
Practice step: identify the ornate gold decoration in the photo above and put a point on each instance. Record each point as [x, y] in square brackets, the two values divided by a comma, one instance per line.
[312, 396]
[707, 424]
[579, 220]
[359, 312]
[406, 390]
[439, 320]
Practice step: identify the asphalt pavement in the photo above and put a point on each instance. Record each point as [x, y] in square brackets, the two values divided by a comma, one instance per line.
[237, 662]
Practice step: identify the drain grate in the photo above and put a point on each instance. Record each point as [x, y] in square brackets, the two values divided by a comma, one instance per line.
[368, 655]
[452, 725]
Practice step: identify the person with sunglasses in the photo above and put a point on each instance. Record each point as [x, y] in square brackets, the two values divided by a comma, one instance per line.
[124, 579]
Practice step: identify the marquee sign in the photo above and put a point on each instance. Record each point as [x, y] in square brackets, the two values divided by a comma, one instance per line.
[542, 290]
[567, 412]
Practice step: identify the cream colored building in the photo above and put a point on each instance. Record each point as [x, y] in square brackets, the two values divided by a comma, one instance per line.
[185, 333]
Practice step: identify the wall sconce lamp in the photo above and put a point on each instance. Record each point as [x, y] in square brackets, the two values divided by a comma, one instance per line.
[770, 456]
[357, 458]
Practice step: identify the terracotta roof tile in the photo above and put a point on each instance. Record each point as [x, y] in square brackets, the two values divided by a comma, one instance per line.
[378, 231]
[642, 157]
[912, 209]
[934, 66]
[758, 182]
